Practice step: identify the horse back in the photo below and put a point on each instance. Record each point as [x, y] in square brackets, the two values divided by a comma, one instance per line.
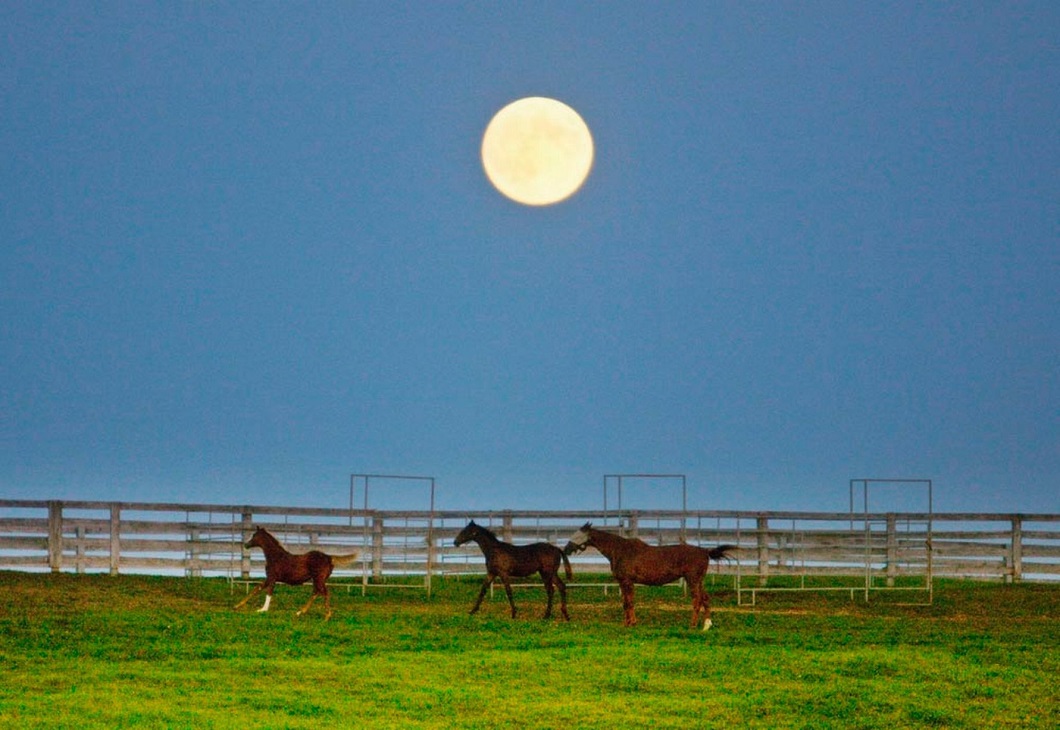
[658, 565]
[523, 560]
[298, 569]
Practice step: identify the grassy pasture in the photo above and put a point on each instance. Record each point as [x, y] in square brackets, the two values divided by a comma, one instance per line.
[133, 651]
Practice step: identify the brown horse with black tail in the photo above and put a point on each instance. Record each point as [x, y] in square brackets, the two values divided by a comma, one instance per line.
[635, 561]
[506, 561]
[282, 566]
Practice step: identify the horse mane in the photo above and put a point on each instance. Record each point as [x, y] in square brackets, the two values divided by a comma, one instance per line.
[618, 542]
[271, 539]
[488, 532]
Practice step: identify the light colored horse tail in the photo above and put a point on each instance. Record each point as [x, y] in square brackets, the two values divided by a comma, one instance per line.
[340, 561]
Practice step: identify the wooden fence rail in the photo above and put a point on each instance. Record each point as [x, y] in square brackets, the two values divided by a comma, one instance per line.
[207, 540]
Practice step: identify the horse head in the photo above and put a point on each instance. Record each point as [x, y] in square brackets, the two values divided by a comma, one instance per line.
[579, 540]
[258, 539]
[467, 534]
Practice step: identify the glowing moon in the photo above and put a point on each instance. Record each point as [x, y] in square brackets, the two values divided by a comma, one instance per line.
[537, 151]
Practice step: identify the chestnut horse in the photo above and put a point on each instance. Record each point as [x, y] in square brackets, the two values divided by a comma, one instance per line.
[635, 561]
[506, 561]
[282, 566]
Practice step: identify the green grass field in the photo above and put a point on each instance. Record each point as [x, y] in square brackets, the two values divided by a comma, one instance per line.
[131, 651]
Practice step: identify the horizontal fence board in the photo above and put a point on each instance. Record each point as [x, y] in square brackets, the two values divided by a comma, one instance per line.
[23, 561]
[1042, 551]
[1041, 568]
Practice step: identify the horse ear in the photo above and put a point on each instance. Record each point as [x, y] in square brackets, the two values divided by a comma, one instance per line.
[587, 526]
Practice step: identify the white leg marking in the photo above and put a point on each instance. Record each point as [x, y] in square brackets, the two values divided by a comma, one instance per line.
[707, 624]
[268, 600]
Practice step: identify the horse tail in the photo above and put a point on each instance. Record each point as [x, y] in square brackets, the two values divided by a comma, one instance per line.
[339, 561]
[566, 562]
[721, 551]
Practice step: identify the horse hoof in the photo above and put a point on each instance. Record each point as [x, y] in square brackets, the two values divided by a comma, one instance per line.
[707, 624]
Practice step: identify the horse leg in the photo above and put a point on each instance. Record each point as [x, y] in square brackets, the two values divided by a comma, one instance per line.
[508, 590]
[267, 586]
[697, 602]
[268, 598]
[257, 589]
[490, 577]
[550, 589]
[318, 590]
[627, 601]
[562, 597]
[707, 622]
[327, 605]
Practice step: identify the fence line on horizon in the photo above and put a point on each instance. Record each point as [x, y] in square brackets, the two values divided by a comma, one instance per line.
[790, 548]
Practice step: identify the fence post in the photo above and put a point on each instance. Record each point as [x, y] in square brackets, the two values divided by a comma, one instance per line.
[763, 549]
[79, 549]
[506, 527]
[244, 554]
[115, 538]
[193, 569]
[55, 535]
[377, 547]
[1017, 551]
[892, 549]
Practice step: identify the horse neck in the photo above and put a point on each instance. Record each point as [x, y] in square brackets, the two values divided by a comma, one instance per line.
[486, 540]
[272, 547]
[610, 544]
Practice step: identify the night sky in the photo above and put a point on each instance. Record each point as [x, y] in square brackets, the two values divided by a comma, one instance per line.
[248, 249]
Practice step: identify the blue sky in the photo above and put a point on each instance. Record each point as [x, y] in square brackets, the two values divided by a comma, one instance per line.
[248, 249]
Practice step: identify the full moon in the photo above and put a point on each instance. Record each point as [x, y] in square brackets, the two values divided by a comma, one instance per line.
[537, 151]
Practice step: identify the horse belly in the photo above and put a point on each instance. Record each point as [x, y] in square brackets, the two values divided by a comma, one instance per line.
[510, 566]
[291, 576]
[652, 573]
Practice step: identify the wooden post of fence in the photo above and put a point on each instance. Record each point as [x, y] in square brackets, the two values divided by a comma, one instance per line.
[892, 549]
[115, 538]
[244, 554]
[55, 536]
[763, 549]
[194, 567]
[79, 549]
[377, 547]
[506, 527]
[1016, 572]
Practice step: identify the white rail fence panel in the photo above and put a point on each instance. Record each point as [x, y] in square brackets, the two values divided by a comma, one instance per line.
[396, 546]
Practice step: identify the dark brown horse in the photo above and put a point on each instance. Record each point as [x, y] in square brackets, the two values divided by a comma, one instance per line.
[506, 561]
[282, 566]
[635, 561]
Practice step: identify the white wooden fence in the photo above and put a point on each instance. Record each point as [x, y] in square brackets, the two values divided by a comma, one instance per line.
[400, 548]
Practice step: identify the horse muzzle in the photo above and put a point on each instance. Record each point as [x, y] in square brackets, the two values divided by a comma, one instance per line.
[572, 547]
